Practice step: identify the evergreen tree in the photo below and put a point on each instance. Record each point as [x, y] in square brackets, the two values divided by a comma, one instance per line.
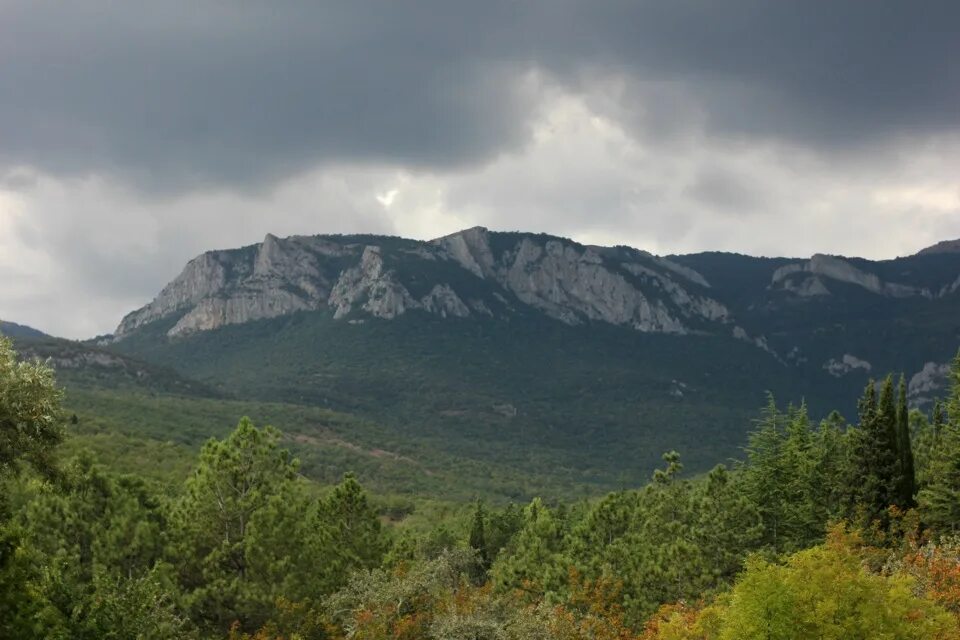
[727, 527]
[347, 534]
[953, 397]
[764, 474]
[906, 487]
[940, 499]
[478, 542]
[536, 565]
[877, 455]
[939, 418]
[216, 527]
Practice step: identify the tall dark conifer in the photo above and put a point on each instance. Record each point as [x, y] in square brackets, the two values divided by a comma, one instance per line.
[478, 542]
[940, 498]
[877, 456]
[938, 419]
[907, 487]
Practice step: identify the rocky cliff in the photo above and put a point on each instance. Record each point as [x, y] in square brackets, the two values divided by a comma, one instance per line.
[470, 272]
[800, 312]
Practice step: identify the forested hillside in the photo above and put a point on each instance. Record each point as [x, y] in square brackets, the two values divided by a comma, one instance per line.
[829, 529]
[528, 364]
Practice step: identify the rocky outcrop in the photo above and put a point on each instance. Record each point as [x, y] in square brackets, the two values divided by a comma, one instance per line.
[203, 276]
[471, 249]
[350, 275]
[476, 272]
[444, 301]
[575, 284]
[274, 278]
[840, 270]
[370, 287]
[760, 341]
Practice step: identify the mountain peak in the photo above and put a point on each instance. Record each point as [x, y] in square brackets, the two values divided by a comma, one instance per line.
[471, 231]
[945, 246]
[14, 330]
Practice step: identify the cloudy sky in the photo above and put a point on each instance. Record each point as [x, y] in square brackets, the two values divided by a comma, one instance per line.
[134, 135]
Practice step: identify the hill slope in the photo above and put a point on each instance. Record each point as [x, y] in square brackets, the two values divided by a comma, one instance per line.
[541, 355]
[14, 330]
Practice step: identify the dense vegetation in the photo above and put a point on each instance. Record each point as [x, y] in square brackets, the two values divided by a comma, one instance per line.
[827, 530]
[544, 406]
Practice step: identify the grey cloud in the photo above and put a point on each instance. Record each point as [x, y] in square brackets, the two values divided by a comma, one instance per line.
[179, 94]
[728, 192]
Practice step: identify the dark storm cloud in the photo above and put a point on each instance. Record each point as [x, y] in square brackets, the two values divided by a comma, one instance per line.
[727, 192]
[178, 94]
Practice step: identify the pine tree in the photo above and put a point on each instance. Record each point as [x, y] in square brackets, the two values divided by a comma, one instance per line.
[537, 564]
[938, 418]
[216, 526]
[478, 542]
[953, 399]
[764, 475]
[877, 456]
[906, 488]
[940, 499]
[348, 533]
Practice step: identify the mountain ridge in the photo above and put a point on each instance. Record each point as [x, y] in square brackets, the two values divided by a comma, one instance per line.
[533, 352]
[479, 272]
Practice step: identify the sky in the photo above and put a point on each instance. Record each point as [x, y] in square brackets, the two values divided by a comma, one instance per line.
[135, 135]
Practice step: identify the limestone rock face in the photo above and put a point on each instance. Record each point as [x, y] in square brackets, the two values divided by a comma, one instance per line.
[370, 286]
[575, 284]
[220, 288]
[801, 278]
[445, 302]
[471, 249]
[203, 276]
[572, 286]
[463, 274]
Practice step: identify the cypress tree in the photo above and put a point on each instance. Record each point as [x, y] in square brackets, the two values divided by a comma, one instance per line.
[938, 419]
[478, 542]
[907, 487]
[877, 455]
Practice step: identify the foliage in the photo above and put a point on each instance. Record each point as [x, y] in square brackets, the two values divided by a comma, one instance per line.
[30, 413]
[247, 548]
[940, 498]
[822, 592]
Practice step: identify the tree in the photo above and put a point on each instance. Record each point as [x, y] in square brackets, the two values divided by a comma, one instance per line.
[822, 592]
[30, 430]
[764, 473]
[906, 487]
[30, 413]
[347, 535]
[940, 499]
[478, 542]
[877, 456]
[90, 551]
[218, 536]
[536, 564]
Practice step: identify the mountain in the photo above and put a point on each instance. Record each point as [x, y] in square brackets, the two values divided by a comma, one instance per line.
[14, 330]
[472, 273]
[526, 352]
[946, 246]
[81, 365]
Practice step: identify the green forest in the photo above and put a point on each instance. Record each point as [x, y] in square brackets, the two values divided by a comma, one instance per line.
[823, 529]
